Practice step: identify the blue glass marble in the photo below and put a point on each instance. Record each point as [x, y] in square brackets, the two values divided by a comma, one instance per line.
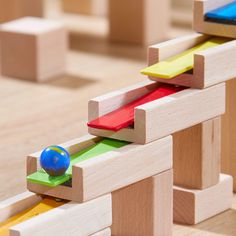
[225, 14]
[55, 160]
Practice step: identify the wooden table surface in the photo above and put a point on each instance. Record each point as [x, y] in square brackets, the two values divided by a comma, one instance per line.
[33, 116]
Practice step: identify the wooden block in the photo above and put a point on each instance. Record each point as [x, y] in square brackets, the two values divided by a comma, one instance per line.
[13, 9]
[33, 49]
[197, 155]
[209, 66]
[139, 21]
[194, 206]
[90, 7]
[162, 117]
[201, 7]
[144, 208]
[107, 172]
[105, 232]
[81, 219]
[228, 160]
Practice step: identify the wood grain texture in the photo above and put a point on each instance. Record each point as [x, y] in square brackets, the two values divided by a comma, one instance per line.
[197, 153]
[144, 208]
[162, 117]
[140, 26]
[228, 161]
[194, 206]
[81, 219]
[35, 56]
[13, 9]
[211, 66]
[203, 6]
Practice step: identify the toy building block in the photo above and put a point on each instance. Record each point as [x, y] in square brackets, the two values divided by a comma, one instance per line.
[228, 160]
[194, 206]
[90, 7]
[30, 214]
[144, 208]
[210, 66]
[161, 117]
[105, 232]
[106, 172]
[197, 155]
[33, 49]
[224, 27]
[134, 21]
[11, 10]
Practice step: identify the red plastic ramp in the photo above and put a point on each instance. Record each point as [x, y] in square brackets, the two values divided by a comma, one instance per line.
[124, 116]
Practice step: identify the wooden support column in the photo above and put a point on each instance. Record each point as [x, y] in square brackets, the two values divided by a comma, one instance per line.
[197, 155]
[228, 160]
[139, 21]
[144, 208]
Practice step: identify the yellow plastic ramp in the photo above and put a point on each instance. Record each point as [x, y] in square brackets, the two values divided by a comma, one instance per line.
[45, 205]
[182, 62]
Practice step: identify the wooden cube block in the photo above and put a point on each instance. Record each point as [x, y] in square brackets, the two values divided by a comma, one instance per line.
[139, 21]
[81, 219]
[107, 172]
[13, 9]
[144, 208]
[194, 206]
[211, 66]
[197, 153]
[33, 49]
[90, 7]
[163, 116]
[228, 160]
[200, 25]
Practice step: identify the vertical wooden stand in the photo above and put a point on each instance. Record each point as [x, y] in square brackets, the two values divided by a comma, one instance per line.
[228, 161]
[139, 21]
[197, 155]
[144, 208]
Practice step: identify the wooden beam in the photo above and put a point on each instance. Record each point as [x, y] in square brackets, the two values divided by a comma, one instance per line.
[194, 206]
[197, 155]
[228, 161]
[144, 208]
[135, 21]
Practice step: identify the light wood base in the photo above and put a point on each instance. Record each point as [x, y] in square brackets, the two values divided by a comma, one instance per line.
[197, 155]
[193, 206]
[228, 160]
[144, 208]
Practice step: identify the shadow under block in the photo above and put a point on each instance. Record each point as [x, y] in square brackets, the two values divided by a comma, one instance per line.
[107, 172]
[162, 117]
[90, 7]
[228, 160]
[33, 49]
[197, 153]
[201, 7]
[144, 208]
[13, 9]
[211, 66]
[68, 219]
[135, 21]
[194, 206]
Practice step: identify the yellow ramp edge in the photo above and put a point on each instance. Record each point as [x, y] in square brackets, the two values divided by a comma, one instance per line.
[182, 62]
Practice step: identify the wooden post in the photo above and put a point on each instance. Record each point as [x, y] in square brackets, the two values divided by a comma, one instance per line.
[139, 21]
[228, 161]
[144, 208]
[197, 155]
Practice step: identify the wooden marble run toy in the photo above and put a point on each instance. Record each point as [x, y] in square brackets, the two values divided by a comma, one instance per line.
[120, 181]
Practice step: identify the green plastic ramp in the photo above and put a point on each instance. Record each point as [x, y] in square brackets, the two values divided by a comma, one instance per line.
[104, 146]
